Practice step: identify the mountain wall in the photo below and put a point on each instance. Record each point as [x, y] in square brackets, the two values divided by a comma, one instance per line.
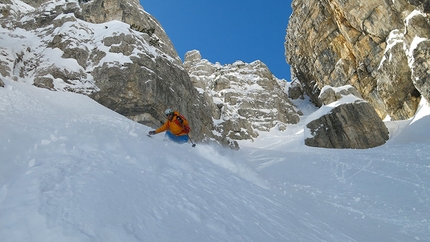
[119, 55]
[111, 50]
[244, 98]
[379, 47]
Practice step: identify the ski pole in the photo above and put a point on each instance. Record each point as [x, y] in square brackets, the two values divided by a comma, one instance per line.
[194, 145]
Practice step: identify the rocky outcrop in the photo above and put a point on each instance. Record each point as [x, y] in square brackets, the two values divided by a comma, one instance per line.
[345, 121]
[378, 47]
[329, 94]
[132, 13]
[102, 11]
[295, 90]
[115, 52]
[68, 47]
[33, 3]
[246, 97]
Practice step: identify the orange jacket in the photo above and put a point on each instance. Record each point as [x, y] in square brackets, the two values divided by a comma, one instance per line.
[175, 126]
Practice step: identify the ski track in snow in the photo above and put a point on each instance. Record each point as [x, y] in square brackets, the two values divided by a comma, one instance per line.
[72, 170]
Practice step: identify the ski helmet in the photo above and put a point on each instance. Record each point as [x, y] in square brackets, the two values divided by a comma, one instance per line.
[168, 111]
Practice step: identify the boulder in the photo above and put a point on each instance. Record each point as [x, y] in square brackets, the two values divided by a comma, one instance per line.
[349, 122]
[331, 94]
[295, 90]
[44, 82]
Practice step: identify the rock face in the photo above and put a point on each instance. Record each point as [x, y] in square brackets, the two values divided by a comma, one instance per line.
[34, 3]
[111, 50]
[119, 55]
[329, 94]
[345, 121]
[246, 97]
[295, 90]
[379, 47]
[132, 13]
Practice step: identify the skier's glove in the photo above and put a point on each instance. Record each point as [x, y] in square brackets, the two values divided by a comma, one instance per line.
[179, 119]
[152, 132]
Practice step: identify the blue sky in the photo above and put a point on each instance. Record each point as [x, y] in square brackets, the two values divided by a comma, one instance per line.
[225, 31]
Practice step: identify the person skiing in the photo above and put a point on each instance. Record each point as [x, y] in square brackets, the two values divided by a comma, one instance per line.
[176, 127]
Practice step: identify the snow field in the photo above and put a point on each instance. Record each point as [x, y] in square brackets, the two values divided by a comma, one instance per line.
[72, 170]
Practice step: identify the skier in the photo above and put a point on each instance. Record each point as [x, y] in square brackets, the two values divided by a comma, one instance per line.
[176, 127]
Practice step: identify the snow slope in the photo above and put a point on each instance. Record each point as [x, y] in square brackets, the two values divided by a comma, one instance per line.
[72, 170]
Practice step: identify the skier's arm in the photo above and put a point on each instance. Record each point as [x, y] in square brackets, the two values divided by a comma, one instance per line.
[162, 128]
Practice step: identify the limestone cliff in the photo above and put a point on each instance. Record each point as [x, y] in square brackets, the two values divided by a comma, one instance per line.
[379, 47]
[111, 50]
[244, 97]
[118, 54]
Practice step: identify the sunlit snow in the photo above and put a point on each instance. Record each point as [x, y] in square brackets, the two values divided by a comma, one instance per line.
[72, 170]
